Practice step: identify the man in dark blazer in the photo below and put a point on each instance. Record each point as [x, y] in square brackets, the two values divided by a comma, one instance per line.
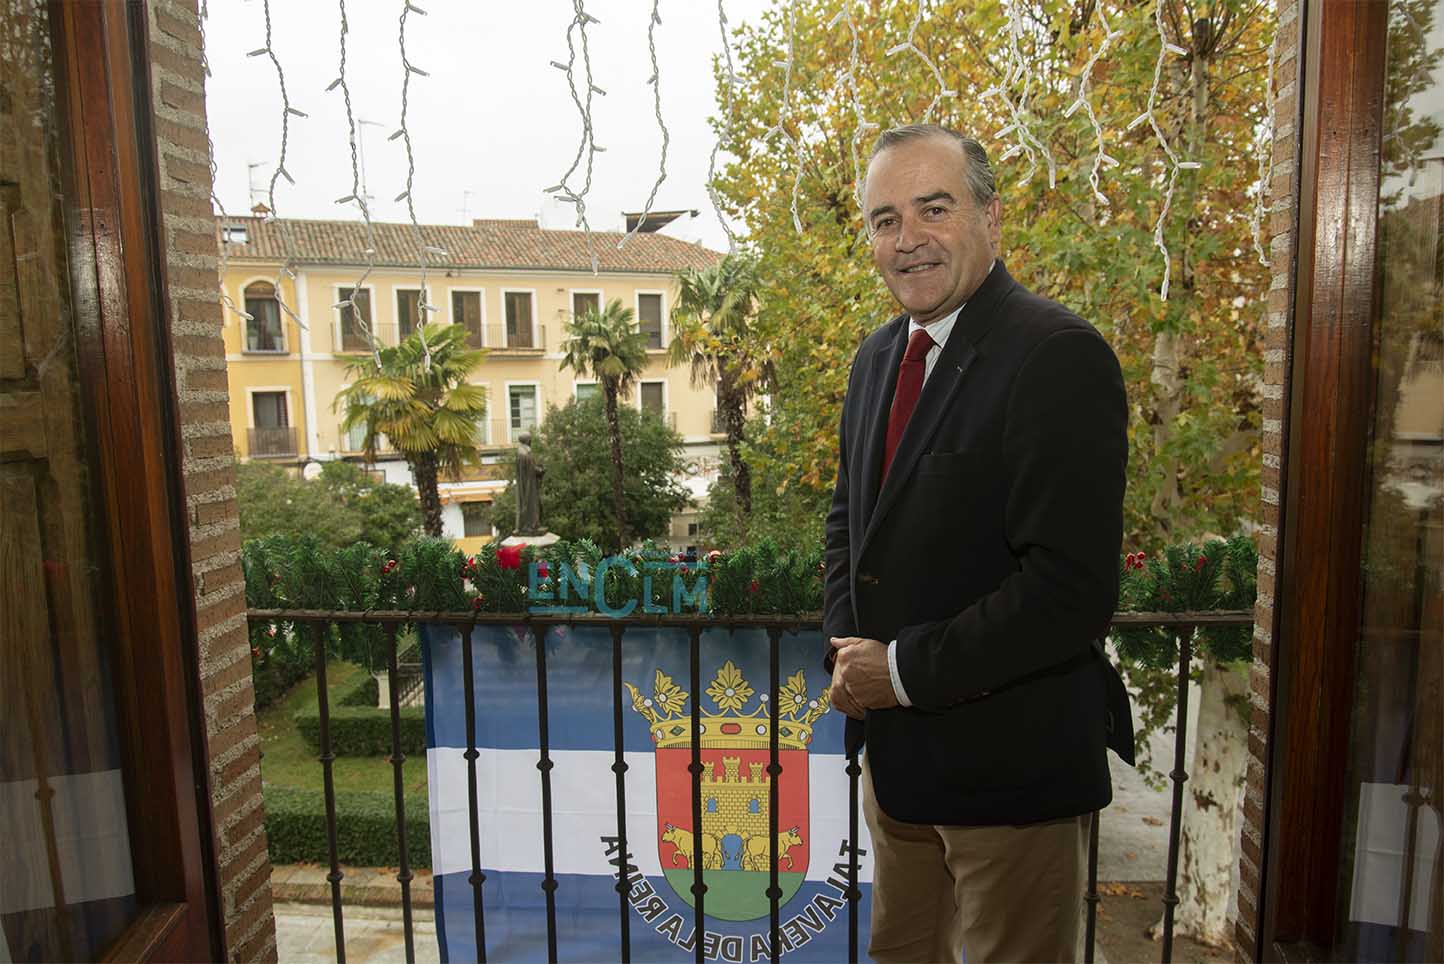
[972, 565]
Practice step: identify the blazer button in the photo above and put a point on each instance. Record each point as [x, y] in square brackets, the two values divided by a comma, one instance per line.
[867, 579]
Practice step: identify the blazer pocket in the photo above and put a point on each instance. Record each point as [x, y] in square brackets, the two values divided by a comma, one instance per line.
[948, 463]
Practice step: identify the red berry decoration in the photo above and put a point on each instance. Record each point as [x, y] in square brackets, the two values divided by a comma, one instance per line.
[390, 566]
[754, 587]
[1130, 561]
[714, 555]
[476, 603]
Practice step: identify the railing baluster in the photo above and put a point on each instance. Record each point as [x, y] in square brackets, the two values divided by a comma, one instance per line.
[398, 782]
[549, 882]
[774, 770]
[476, 878]
[1091, 897]
[699, 886]
[1178, 775]
[619, 767]
[853, 893]
[323, 708]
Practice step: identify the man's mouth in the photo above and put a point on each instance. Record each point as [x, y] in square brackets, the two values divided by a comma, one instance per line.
[918, 268]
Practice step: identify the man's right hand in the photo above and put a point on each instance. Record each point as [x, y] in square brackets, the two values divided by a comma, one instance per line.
[841, 698]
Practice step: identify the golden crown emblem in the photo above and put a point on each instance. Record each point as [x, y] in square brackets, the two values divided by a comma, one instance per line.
[732, 726]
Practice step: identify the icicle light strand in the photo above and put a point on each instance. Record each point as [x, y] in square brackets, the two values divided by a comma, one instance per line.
[1016, 69]
[424, 251]
[288, 265]
[1165, 47]
[1101, 160]
[655, 80]
[587, 146]
[780, 128]
[731, 76]
[911, 44]
[1265, 162]
[848, 78]
[357, 197]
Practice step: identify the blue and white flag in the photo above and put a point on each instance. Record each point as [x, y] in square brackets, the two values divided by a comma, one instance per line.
[812, 794]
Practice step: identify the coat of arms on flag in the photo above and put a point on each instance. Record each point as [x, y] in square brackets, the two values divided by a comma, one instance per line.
[736, 789]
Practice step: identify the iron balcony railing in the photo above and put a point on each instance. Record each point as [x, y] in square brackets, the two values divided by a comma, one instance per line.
[319, 622]
[273, 442]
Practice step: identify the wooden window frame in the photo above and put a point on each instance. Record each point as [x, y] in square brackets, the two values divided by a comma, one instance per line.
[1323, 488]
[121, 303]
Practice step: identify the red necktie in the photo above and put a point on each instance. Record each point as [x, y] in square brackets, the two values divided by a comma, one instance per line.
[909, 387]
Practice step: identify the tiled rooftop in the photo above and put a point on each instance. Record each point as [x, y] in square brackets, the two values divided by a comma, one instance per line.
[488, 243]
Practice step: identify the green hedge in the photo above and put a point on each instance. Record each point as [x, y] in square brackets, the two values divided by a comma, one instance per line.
[365, 828]
[364, 730]
[365, 693]
[273, 678]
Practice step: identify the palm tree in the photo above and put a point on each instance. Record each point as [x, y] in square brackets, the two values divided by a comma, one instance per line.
[417, 395]
[713, 332]
[609, 347]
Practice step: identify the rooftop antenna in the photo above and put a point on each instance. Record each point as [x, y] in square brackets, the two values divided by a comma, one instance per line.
[361, 125]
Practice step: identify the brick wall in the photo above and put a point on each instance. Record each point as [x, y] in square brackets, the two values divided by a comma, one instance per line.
[1279, 231]
[233, 745]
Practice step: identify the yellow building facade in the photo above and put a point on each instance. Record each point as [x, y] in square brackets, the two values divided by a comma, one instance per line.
[514, 285]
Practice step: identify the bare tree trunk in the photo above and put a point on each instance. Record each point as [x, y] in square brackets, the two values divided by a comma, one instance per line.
[614, 429]
[1208, 844]
[423, 470]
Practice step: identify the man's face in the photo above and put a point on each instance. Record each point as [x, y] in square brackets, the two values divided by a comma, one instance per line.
[930, 239]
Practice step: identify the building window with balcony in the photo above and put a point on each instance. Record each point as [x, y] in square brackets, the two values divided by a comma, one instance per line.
[408, 310]
[585, 301]
[649, 319]
[466, 311]
[271, 434]
[521, 401]
[475, 519]
[263, 328]
[354, 333]
[518, 319]
[652, 397]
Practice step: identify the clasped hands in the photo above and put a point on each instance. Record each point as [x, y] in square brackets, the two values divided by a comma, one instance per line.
[860, 677]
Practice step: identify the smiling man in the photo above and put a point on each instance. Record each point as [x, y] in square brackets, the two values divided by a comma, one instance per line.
[972, 565]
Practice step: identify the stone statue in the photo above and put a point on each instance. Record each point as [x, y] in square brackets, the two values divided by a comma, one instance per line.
[529, 474]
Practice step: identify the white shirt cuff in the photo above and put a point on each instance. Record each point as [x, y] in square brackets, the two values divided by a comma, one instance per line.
[897, 687]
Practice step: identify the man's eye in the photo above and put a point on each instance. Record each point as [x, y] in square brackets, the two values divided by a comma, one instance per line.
[936, 211]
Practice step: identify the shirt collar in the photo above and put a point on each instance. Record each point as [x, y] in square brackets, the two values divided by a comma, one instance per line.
[939, 330]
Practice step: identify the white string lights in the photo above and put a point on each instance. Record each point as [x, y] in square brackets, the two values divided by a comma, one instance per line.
[1101, 160]
[1176, 166]
[424, 251]
[357, 197]
[780, 128]
[1265, 162]
[1015, 70]
[911, 44]
[587, 146]
[288, 265]
[655, 81]
[848, 77]
[731, 75]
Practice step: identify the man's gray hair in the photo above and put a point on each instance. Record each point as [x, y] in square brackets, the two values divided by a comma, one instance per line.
[979, 173]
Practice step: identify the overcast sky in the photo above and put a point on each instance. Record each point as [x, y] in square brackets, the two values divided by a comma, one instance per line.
[493, 118]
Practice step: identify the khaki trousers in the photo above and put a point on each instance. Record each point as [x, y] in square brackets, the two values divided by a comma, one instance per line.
[984, 894]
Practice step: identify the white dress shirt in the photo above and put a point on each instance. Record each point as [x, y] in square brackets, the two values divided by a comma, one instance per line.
[937, 330]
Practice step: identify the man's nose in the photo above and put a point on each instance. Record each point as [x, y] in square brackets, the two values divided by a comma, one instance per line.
[910, 235]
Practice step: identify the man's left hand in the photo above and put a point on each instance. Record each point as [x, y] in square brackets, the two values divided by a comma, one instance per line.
[861, 672]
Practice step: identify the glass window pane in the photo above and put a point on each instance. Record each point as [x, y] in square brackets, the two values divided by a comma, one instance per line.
[649, 318]
[518, 319]
[1392, 874]
[523, 408]
[408, 310]
[263, 329]
[476, 519]
[466, 310]
[588, 391]
[583, 302]
[67, 887]
[652, 394]
[354, 334]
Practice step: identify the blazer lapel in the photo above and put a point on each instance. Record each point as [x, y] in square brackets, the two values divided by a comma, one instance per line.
[881, 384]
[935, 401]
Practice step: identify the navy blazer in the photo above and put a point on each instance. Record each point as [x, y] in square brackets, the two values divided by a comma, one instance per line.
[991, 554]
